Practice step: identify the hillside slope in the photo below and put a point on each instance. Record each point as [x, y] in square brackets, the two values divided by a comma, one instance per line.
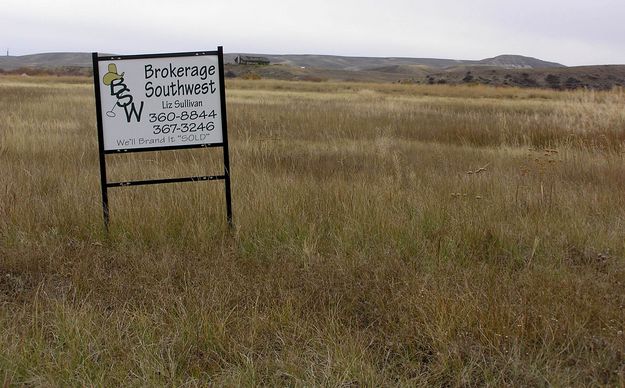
[46, 61]
[332, 62]
[503, 70]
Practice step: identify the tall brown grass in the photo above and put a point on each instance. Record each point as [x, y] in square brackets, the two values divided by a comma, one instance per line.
[364, 252]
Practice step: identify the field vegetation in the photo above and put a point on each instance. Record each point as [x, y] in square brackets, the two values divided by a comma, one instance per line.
[385, 235]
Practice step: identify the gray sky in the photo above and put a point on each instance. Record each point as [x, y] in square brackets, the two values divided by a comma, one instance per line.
[573, 32]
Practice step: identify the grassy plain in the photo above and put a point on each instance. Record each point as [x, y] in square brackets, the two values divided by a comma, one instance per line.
[385, 235]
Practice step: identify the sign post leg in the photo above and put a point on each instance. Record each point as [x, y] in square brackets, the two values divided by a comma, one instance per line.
[105, 206]
[228, 197]
[103, 181]
[224, 125]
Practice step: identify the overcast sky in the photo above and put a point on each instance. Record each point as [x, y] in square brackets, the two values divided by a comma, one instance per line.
[572, 32]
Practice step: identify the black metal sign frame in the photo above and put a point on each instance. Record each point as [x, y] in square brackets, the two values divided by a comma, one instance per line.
[105, 184]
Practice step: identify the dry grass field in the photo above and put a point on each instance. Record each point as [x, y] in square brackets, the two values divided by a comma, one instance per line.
[386, 235]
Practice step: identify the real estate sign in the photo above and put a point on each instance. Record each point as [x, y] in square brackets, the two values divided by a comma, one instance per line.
[161, 102]
[155, 101]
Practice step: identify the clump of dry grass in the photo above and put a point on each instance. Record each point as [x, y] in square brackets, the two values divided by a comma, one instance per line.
[364, 254]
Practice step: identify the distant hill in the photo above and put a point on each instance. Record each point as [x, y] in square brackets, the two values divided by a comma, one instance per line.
[503, 70]
[46, 61]
[517, 62]
[334, 62]
[331, 62]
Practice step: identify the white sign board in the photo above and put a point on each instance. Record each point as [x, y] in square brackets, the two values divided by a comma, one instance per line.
[160, 102]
